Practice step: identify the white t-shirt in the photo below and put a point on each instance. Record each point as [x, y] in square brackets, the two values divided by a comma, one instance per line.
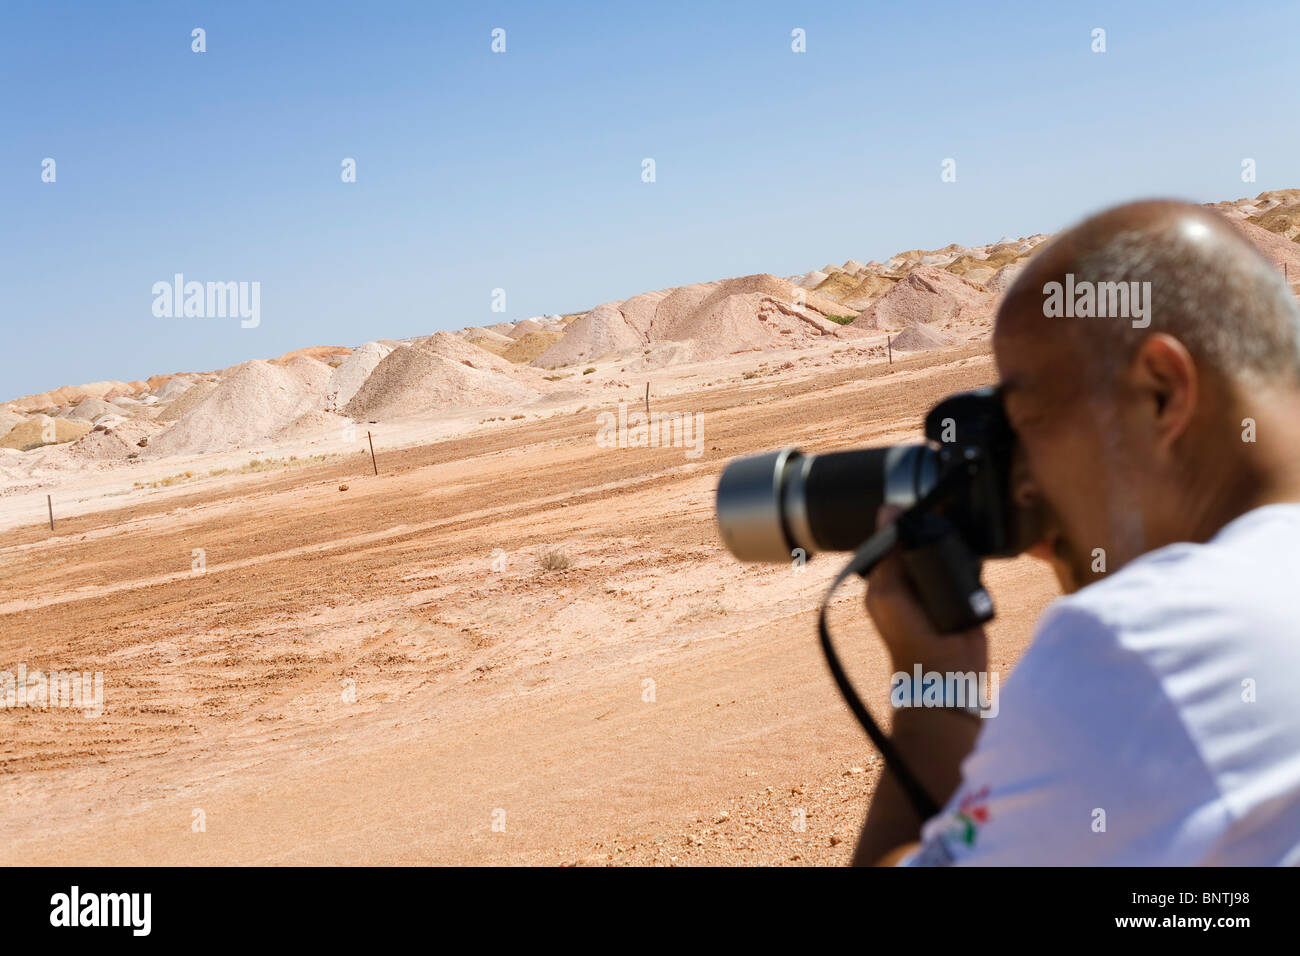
[1154, 720]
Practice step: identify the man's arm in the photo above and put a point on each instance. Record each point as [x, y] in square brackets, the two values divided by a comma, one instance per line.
[932, 740]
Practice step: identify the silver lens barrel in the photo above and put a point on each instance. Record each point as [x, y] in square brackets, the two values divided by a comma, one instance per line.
[771, 504]
[750, 506]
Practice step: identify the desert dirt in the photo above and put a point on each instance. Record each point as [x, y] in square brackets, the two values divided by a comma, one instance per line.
[350, 681]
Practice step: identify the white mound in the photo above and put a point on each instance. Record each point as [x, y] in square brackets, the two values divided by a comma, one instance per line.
[252, 402]
[918, 338]
[189, 399]
[113, 441]
[602, 331]
[91, 408]
[524, 328]
[473, 356]
[352, 374]
[416, 378]
[174, 387]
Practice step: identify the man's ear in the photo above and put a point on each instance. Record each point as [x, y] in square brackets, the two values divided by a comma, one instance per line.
[1165, 378]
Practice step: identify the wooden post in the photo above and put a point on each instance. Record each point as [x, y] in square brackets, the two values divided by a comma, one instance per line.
[889, 340]
[647, 400]
[50, 504]
[373, 463]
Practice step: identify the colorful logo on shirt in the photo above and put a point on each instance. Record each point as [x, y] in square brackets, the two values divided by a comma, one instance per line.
[959, 827]
[972, 812]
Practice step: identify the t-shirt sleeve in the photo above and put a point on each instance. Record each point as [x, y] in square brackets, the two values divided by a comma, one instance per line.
[1085, 763]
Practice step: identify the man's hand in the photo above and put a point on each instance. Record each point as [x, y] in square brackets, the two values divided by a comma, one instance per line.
[906, 629]
[933, 741]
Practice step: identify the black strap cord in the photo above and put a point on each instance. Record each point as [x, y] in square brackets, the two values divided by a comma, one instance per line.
[864, 559]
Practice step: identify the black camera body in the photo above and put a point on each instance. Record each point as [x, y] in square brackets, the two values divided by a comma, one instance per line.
[974, 444]
[955, 492]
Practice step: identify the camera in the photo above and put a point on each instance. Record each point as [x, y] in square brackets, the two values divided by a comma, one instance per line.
[954, 489]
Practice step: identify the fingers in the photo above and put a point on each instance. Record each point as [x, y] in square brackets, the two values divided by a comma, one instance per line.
[891, 601]
[904, 626]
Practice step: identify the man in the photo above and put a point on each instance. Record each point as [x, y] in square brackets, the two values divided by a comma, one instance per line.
[1155, 718]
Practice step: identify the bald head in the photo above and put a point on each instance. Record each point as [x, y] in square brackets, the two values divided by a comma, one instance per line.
[1150, 367]
[1168, 267]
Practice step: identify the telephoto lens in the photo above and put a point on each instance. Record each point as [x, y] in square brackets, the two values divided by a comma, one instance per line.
[773, 506]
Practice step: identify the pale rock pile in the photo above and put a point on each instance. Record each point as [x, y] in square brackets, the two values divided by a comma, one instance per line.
[174, 387]
[919, 338]
[251, 403]
[8, 419]
[811, 280]
[190, 398]
[352, 374]
[113, 441]
[454, 348]
[92, 408]
[602, 331]
[525, 327]
[494, 342]
[71, 394]
[708, 319]
[429, 376]
[926, 295]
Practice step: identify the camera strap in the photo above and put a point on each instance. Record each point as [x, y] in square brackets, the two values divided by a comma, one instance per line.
[864, 559]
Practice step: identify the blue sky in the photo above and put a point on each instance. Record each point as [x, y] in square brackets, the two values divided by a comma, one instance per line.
[522, 170]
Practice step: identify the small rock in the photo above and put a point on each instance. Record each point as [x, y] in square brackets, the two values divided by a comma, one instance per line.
[343, 487]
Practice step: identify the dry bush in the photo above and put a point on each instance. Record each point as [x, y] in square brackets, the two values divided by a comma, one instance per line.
[553, 560]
